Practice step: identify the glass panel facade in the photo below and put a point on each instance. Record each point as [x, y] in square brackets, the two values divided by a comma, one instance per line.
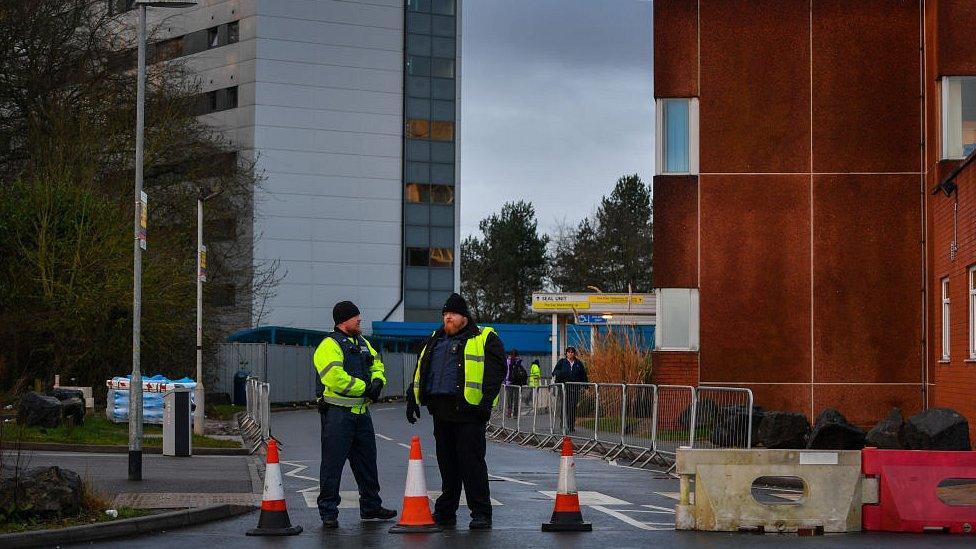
[676, 136]
[958, 116]
[430, 156]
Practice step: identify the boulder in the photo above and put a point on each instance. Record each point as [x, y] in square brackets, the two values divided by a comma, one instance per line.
[832, 431]
[41, 492]
[65, 394]
[706, 411]
[937, 429]
[888, 432]
[73, 410]
[37, 410]
[730, 427]
[784, 430]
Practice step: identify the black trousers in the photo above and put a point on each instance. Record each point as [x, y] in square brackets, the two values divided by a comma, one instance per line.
[347, 436]
[461, 459]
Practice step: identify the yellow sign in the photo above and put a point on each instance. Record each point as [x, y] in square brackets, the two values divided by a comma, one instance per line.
[569, 305]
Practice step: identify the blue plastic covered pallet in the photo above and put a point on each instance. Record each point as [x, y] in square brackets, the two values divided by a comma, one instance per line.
[153, 388]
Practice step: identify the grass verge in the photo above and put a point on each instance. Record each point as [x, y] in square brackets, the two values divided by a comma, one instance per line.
[87, 517]
[99, 430]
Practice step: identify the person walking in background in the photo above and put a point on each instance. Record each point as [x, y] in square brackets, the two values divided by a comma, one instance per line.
[570, 370]
[352, 376]
[459, 374]
[535, 374]
[515, 376]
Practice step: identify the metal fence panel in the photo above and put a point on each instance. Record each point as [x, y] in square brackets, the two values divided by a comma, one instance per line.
[234, 357]
[723, 417]
[546, 413]
[610, 416]
[674, 418]
[580, 410]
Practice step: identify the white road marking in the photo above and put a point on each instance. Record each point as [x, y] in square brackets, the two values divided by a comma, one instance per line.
[628, 520]
[350, 498]
[407, 446]
[661, 509]
[592, 498]
[298, 468]
[384, 437]
[515, 480]
[671, 495]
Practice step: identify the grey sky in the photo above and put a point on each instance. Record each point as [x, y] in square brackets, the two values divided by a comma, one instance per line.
[557, 103]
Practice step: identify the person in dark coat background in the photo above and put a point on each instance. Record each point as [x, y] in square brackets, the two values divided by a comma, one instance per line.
[570, 370]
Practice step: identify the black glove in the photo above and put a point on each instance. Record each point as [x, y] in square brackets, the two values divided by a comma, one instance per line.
[413, 409]
[373, 391]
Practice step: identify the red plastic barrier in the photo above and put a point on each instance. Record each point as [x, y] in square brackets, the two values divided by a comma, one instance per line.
[907, 485]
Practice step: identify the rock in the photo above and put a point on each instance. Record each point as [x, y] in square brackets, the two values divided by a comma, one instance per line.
[42, 491]
[65, 394]
[730, 427]
[833, 432]
[784, 430]
[216, 399]
[937, 429]
[36, 410]
[888, 433]
[73, 410]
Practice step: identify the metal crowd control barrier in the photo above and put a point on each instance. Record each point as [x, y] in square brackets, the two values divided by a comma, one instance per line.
[726, 414]
[256, 422]
[729, 496]
[643, 424]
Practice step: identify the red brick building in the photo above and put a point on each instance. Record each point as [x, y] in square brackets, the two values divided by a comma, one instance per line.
[799, 144]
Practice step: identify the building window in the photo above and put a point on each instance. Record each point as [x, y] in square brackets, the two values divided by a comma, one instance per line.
[958, 116]
[972, 312]
[442, 68]
[418, 129]
[945, 319]
[215, 101]
[418, 257]
[442, 130]
[677, 319]
[213, 37]
[441, 257]
[441, 194]
[233, 32]
[442, 7]
[677, 136]
[417, 193]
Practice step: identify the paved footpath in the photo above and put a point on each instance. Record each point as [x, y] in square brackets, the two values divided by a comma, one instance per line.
[628, 507]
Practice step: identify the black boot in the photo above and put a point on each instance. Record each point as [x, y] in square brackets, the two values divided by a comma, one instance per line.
[480, 523]
[380, 513]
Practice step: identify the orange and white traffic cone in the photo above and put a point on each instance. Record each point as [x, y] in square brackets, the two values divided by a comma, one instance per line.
[274, 519]
[566, 516]
[415, 516]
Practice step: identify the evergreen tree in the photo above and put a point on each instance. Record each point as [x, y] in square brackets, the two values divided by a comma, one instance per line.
[501, 269]
[613, 250]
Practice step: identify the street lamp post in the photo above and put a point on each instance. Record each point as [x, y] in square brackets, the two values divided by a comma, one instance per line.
[198, 397]
[135, 382]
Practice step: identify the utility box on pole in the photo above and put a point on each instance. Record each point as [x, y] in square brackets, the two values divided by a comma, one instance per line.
[177, 438]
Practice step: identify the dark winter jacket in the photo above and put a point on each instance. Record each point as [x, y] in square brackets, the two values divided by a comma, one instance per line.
[566, 373]
[454, 407]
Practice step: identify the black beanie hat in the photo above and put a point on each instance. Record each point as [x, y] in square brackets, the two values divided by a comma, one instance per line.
[343, 311]
[456, 304]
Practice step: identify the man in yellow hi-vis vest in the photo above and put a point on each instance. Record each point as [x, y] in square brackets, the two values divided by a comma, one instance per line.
[458, 376]
[352, 376]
